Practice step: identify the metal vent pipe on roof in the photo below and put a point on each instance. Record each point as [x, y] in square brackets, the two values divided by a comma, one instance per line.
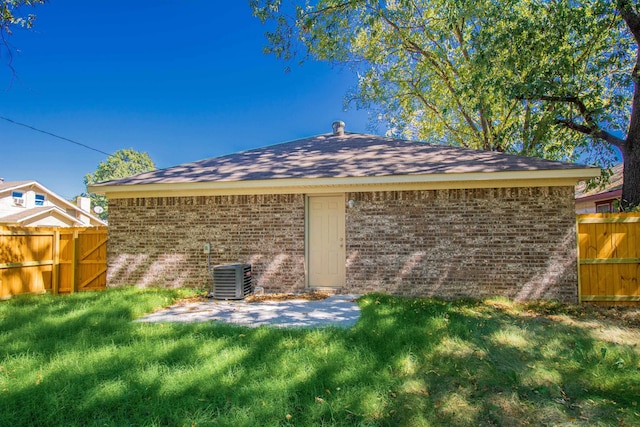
[338, 128]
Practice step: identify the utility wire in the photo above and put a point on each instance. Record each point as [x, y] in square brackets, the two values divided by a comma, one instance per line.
[54, 135]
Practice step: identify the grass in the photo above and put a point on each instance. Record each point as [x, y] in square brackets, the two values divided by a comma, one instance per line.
[79, 360]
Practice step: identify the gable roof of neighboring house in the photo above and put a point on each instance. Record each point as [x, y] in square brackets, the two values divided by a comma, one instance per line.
[13, 185]
[344, 160]
[60, 210]
[33, 214]
[612, 190]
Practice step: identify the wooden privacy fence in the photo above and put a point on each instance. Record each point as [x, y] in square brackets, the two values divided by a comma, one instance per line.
[609, 258]
[59, 260]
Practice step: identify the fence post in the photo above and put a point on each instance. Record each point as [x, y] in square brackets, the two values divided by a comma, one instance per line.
[578, 260]
[74, 257]
[55, 274]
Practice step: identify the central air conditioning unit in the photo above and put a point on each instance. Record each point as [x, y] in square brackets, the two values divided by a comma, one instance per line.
[232, 281]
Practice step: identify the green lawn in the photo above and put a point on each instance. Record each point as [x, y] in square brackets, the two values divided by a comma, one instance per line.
[80, 360]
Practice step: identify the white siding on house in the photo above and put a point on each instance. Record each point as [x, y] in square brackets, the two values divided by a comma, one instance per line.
[36, 199]
[49, 221]
[8, 207]
[585, 207]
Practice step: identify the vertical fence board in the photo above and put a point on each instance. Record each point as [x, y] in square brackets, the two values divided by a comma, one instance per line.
[74, 258]
[66, 261]
[609, 258]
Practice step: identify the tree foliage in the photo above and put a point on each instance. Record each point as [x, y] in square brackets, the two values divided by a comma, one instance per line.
[12, 15]
[121, 164]
[576, 60]
[545, 78]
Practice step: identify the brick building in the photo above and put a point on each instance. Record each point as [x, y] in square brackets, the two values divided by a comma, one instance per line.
[354, 212]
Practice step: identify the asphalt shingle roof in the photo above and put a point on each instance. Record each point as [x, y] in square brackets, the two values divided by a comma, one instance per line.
[13, 184]
[334, 156]
[615, 183]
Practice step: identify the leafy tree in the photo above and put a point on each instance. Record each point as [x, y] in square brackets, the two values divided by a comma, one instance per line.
[121, 164]
[12, 16]
[578, 59]
[546, 78]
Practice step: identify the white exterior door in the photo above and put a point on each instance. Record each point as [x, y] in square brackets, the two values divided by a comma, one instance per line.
[325, 241]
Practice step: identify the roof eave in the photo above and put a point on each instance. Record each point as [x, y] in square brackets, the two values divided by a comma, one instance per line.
[525, 178]
[53, 211]
[19, 185]
[614, 194]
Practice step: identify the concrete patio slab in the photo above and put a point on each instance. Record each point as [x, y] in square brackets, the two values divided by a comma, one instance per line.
[336, 310]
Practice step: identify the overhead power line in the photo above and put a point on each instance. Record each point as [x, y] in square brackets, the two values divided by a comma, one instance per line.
[54, 135]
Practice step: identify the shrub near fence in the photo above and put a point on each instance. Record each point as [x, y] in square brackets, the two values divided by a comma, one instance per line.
[59, 260]
[609, 258]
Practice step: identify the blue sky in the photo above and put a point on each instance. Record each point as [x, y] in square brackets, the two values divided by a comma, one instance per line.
[182, 80]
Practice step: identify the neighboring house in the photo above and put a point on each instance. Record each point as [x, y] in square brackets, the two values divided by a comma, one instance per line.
[356, 213]
[30, 204]
[600, 200]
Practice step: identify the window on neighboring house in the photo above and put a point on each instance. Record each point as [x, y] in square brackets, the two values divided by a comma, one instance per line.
[39, 199]
[18, 198]
[603, 207]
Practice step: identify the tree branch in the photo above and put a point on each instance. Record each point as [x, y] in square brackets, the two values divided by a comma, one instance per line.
[584, 111]
[9, 63]
[412, 46]
[433, 109]
[591, 127]
[596, 133]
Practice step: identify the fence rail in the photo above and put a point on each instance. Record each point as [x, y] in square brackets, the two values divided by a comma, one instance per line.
[59, 260]
[609, 258]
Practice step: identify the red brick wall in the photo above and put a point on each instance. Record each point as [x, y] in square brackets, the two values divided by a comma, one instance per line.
[516, 242]
[160, 241]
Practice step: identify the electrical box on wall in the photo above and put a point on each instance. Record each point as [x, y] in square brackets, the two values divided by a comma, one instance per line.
[207, 248]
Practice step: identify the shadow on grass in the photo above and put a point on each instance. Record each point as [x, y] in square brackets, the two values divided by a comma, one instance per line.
[80, 360]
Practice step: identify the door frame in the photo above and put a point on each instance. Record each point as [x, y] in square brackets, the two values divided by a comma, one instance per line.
[307, 248]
